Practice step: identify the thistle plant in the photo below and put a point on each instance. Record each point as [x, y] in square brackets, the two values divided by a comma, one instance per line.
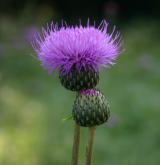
[78, 53]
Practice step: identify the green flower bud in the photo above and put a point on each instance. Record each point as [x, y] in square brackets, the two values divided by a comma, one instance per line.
[90, 108]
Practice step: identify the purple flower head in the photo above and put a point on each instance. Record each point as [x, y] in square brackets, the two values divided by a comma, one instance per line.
[66, 46]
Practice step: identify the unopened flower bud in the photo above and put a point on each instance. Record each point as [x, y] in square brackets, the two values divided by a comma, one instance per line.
[90, 108]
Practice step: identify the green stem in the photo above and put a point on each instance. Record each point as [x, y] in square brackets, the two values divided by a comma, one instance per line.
[75, 149]
[89, 147]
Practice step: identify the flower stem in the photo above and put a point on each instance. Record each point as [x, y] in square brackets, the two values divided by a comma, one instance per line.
[89, 146]
[75, 149]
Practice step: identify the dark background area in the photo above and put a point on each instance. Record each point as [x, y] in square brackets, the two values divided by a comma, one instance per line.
[85, 8]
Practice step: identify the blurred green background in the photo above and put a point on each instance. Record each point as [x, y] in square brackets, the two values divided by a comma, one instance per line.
[33, 104]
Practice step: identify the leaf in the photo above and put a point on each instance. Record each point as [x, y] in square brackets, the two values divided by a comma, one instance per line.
[67, 118]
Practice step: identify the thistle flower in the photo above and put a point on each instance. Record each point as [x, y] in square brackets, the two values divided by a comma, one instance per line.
[77, 52]
[90, 108]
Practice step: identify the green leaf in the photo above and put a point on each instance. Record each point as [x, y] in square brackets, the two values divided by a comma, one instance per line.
[67, 118]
